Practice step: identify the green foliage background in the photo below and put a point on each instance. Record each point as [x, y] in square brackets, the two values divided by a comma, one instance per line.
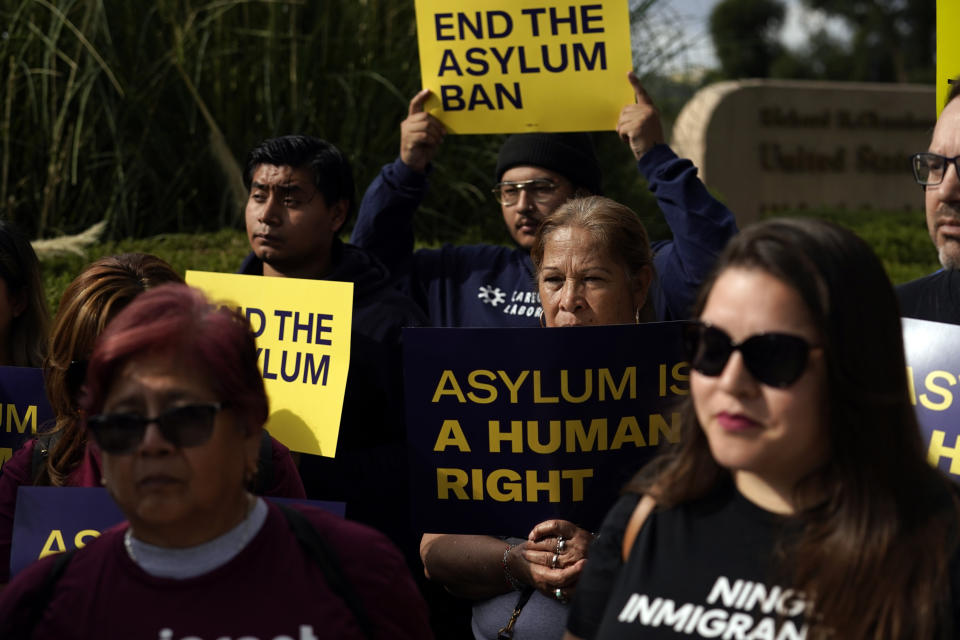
[899, 238]
[141, 113]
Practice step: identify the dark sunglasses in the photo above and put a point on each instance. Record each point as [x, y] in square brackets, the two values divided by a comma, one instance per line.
[187, 426]
[775, 359]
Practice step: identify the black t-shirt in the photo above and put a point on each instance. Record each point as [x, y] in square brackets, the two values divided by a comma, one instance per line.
[935, 297]
[704, 570]
[603, 563]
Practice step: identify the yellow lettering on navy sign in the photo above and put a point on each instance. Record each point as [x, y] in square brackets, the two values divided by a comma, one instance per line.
[939, 449]
[510, 485]
[503, 66]
[482, 385]
[302, 329]
[938, 396]
[53, 545]
[15, 421]
[948, 48]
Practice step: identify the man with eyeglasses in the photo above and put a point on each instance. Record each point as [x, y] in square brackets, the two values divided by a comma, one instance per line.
[936, 297]
[491, 285]
[301, 191]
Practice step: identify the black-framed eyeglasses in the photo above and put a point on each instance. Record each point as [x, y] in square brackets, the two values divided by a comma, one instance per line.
[540, 189]
[929, 168]
[189, 425]
[775, 359]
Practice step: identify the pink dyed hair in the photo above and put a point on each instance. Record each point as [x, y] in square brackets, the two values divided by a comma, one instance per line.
[177, 319]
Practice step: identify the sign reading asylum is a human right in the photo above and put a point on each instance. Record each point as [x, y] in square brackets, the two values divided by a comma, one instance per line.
[511, 427]
[509, 66]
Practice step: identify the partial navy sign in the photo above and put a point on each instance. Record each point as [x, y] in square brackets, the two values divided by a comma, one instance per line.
[510, 427]
[933, 371]
[23, 407]
[49, 520]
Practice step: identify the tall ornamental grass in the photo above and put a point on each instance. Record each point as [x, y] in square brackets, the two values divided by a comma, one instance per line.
[140, 113]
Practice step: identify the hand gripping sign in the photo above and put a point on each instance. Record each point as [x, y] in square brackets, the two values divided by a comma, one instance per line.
[514, 66]
[303, 338]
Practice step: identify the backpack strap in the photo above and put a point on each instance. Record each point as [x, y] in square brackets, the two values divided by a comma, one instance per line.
[326, 559]
[30, 612]
[640, 514]
[263, 480]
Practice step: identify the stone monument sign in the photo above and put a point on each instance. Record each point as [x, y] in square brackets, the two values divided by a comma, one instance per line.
[765, 146]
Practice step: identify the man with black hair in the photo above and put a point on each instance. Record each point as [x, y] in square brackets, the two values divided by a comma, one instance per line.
[491, 285]
[301, 193]
[936, 297]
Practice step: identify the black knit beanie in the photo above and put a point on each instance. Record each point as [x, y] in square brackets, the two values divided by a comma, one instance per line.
[569, 154]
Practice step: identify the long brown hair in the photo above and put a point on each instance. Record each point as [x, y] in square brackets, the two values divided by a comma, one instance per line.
[89, 302]
[879, 525]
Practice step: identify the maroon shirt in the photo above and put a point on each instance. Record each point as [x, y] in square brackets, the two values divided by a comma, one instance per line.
[271, 589]
[16, 473]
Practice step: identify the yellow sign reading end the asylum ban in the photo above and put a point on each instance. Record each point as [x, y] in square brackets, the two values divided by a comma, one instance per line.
[303, 339]
[948, 48]
[515, 66]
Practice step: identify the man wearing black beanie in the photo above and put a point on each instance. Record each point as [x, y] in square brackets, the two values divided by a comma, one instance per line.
[493, 286]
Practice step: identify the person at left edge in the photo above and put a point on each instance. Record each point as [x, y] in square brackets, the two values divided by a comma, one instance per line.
[62, 456]
[175, 403]
[301, 192]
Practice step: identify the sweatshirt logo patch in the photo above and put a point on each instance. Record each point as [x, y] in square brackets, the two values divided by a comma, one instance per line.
[492, 295]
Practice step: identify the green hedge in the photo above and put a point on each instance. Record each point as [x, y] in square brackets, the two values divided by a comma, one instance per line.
[899, 238]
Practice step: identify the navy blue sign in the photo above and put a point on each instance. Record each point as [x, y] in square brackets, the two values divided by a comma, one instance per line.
[510, 427]
[23, 407]
[49, 520]
[933, 371]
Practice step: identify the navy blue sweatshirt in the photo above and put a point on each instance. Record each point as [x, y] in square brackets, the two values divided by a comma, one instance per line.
[494, 286]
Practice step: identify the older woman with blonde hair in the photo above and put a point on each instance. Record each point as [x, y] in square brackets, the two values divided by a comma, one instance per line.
[594, 267]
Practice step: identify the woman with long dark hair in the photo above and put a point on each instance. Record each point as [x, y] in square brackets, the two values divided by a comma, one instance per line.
[799, 503]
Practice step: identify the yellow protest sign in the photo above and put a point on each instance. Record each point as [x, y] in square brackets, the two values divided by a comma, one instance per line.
[948, 48]
[514, 66]
[303, 337]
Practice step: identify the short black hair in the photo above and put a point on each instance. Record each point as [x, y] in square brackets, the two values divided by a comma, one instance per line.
[332, 174]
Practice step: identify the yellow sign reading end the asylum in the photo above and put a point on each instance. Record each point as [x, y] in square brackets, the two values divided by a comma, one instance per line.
[514, 66]
[948, 48]
[303, 339]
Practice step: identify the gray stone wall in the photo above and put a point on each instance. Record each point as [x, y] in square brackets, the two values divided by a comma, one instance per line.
[766, 146]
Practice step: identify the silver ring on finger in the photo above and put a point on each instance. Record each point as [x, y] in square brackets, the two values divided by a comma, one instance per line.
[553, 561]
[561, 545]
